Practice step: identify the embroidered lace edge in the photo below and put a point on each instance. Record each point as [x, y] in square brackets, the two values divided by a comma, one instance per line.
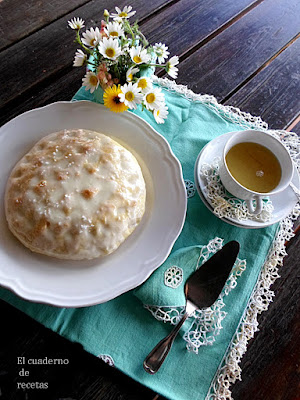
[229, 370]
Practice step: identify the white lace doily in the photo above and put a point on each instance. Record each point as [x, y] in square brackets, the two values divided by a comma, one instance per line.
[206, 323]
[225, 204]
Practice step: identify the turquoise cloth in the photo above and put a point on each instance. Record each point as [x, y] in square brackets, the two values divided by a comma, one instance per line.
[163, 293]
[125, 330]
[155, 292]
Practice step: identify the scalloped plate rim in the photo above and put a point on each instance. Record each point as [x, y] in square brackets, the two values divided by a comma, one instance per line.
[147, 266]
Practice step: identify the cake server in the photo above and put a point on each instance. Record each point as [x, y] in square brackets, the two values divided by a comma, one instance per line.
[201, 290]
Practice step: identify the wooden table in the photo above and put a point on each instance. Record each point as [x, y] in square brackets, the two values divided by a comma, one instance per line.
[247, 54]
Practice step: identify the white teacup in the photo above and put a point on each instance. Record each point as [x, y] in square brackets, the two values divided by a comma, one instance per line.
[240, 191]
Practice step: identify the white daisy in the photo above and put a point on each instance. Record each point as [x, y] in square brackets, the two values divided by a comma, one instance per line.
[76, 23]
[131, 95]
[153, 99]
[130, 72]
[161, 51]
[144, 83]
[91, 37]
[139, 55]
[90, 81]
[160, 114]
[79, 59]
[114, 29]
[170, 67]
[110, 48]
[125, 13]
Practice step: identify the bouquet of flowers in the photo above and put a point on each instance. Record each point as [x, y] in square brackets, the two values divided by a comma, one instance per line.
[117, 56]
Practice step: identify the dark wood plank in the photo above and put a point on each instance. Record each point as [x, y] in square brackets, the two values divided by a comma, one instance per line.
[189, 23]
[29, 16]
[31, 91]
[86, 377]
[270, 368]
[62, 88]
[34, 55]
[274, 93]
[225, 62]
[295, 127]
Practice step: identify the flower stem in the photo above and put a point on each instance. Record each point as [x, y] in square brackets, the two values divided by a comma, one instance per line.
[145, 41]
[92, 63]
[78, 40]
[127, 25]
[157, 65]
[117, 72]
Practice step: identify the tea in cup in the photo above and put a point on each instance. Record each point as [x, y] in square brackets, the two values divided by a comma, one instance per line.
[255, 165]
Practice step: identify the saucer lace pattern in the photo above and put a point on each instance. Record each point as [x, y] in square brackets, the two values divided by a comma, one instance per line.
[229, 370]
[226, 205]
[205, 324]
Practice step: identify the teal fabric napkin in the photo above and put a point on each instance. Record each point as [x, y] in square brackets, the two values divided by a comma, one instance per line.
[123, 330]
[163, 294]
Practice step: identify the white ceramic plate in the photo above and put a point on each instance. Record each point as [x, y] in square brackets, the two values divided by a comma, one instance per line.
[82, 283]
[283, 202]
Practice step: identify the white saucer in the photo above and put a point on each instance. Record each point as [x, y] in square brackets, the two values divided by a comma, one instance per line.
[283, 202]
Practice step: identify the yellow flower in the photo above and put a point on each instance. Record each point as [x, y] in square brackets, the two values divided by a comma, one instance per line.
[144, 83]
[112, 100]
[110, 48]
[139, 55]
[125, 13]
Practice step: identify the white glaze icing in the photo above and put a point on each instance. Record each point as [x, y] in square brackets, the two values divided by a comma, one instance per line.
[76, 194]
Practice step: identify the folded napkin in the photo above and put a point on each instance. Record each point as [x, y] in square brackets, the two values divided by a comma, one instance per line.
[122, 331]
[163, 294]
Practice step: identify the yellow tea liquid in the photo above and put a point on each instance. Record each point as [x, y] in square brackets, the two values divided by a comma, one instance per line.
[254, 166]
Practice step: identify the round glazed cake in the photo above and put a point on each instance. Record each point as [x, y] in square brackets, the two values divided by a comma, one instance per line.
[77, 194]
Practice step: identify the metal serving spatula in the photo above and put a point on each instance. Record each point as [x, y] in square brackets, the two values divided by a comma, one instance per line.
[201, 290]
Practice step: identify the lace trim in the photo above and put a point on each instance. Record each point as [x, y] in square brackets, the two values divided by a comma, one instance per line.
[231, 113]
[226, 205]
[235, 115]
[205, 323]
[173, 277]
[190, 188]
[107, 359]
[229, 370]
